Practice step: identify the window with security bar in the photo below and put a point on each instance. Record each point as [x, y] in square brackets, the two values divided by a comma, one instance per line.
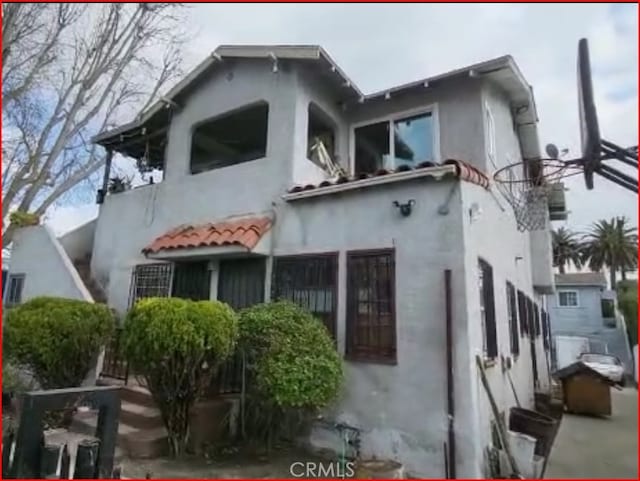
[14, 290]
[150, 280]
[371, 316]
[311, 281]
[487, 309]
[512, 309]
[523, 313]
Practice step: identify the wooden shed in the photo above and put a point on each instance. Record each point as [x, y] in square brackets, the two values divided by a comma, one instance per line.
[585, 391]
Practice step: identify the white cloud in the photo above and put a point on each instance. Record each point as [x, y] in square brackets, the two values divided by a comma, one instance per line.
[380, 45]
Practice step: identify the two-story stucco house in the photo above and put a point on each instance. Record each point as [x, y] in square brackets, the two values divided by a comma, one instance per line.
[281, 179]
[583, 307]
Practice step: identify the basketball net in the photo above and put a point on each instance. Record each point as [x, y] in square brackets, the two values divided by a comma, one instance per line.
[527, 186]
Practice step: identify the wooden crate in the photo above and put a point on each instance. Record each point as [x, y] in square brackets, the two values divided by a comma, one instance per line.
[584, 394]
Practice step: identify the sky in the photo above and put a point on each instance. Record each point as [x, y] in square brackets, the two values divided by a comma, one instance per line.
[383, 45]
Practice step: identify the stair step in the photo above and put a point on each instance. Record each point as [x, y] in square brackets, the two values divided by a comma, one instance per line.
[137, 395]
[134, 442]
[140, 416]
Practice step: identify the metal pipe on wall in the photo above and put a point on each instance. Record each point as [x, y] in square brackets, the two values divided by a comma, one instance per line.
[451, 443]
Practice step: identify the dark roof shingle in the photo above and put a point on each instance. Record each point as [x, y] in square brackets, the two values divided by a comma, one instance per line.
[581, 279]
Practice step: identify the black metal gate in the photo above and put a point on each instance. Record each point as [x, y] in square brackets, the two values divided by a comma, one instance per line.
[192, 280]
[240, 284]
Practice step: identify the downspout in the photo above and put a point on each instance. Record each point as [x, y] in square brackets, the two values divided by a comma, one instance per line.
[451, 442]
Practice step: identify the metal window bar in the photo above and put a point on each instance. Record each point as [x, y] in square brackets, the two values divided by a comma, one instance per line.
[545, 330]
[16, 283]
[150, 280]
[522, 313]
[489, 308]
[513, 319]
[311, 282]
[371, 324]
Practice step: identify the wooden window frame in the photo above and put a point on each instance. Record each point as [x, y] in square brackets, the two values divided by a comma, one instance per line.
[490, 344]
[512, 310]
[351, 349]
[333, 256]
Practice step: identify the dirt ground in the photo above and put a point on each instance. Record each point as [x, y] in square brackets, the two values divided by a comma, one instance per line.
[277, 464]
[598, 447]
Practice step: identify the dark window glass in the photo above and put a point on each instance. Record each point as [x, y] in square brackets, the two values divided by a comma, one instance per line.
[311, 281]
[371, 323]
[372, 147]
[512, 307]
[523, 314]
[487, 309]
[16, 284]
[231, 139]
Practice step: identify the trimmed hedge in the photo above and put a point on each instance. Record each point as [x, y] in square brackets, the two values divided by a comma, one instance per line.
[57, 339]
[174, 344]
[293, 369]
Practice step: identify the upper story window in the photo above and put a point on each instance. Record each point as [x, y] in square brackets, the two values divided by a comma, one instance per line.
[491, 135]
[568, 298]
[233, 138]
[321, 137]
[394, 141]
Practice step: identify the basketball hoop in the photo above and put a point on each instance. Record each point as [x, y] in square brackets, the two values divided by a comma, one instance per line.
[527, 185]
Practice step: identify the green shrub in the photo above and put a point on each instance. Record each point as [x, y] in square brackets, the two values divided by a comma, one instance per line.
[174, 344]
[628, 304]
[57, 339]
[292, 366]
[23, 219]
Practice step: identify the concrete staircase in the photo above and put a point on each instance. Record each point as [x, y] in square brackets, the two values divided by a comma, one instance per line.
[83, 266]
[141, 433]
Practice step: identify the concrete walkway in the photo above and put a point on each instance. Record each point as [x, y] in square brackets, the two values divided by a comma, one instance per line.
[598, 448]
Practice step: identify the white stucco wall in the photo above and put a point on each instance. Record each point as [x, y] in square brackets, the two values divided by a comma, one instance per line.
[48, 270]
[78, 243]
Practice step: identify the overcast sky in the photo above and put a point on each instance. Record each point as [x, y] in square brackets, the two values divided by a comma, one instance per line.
[380, 46]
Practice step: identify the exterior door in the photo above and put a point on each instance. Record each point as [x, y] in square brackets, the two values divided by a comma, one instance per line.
[241, 282]
[192, 280]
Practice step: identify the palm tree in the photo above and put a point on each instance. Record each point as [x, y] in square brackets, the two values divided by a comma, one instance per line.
[566, 249]
[612, 244]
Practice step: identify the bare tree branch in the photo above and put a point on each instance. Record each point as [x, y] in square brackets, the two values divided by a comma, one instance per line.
[70, 71]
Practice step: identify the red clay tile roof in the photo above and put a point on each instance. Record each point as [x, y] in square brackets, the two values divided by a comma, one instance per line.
[464, 171]
[244, 231]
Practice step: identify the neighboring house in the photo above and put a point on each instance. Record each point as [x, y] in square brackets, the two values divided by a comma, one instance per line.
[583, 307]
[281, 179]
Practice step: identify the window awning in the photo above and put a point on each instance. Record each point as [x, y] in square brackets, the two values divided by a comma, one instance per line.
[239, 232]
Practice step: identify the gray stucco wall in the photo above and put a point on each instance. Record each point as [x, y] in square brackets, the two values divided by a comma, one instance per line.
[49, 272]
[401, 407]
[247, 188]
[459, 112]
[492, 235]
